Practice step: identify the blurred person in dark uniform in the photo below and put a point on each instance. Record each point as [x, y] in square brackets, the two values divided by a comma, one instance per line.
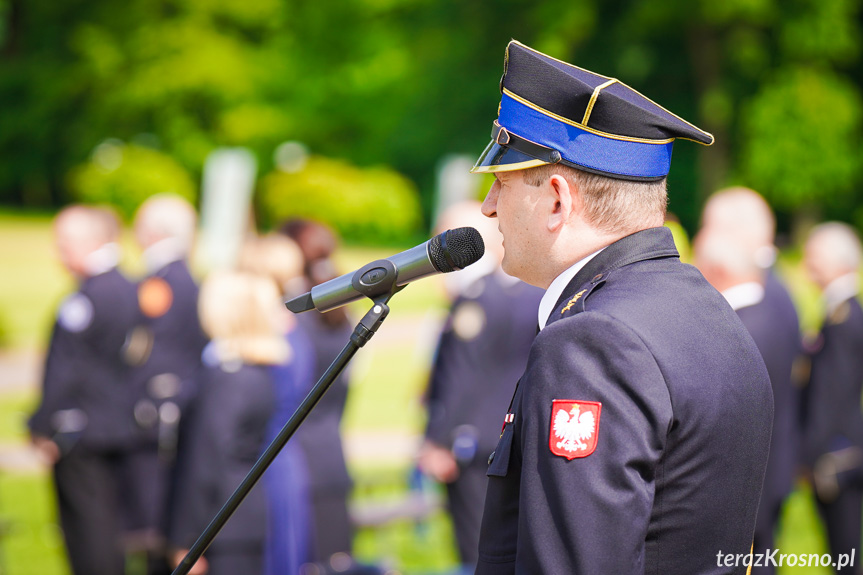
[481, 353]
[733, 250]
[833, 435]
[168, 298]
[637, 438]
[83, 425]
[731, 269]
[320, 435]
[223, 432]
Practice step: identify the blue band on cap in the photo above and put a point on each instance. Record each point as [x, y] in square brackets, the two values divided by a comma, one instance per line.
[636, 159]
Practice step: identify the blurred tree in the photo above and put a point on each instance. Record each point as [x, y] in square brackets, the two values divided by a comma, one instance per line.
[802, 137]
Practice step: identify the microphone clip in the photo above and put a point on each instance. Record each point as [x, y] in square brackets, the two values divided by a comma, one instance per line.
[376, 279]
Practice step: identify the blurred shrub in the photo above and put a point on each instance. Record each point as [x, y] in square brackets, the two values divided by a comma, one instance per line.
[375, 205]
[124, 175]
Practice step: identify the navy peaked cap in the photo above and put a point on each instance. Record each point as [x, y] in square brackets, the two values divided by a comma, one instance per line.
[553, 112]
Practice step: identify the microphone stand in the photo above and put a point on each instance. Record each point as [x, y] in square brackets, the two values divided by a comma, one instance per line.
[383, 291]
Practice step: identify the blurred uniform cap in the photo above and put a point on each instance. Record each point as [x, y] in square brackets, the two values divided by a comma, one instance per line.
[553, 112]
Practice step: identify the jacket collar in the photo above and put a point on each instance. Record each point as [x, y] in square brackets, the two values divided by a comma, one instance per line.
[648, 244]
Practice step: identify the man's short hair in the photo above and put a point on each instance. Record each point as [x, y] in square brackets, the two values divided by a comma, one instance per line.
[611, 205]
[842, 245]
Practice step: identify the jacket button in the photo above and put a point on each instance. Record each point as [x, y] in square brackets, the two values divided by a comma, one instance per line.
[491, 458]
[597, 277]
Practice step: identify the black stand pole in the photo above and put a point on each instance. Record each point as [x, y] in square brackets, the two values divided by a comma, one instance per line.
[363, 332]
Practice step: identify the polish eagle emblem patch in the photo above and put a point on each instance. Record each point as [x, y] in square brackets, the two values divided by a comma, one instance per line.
[574, 427]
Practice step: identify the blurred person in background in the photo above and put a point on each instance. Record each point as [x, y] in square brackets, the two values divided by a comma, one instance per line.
[224, 430]
[833, 432]
[728, 264]
[287, 480]
[83, 424]
[481, 353]
[320, 435]
[168, 297]
[734, 251]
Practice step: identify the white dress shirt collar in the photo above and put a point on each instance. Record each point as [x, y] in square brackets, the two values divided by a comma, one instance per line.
[102, 260]
[841, 289]
[555, 290]
[162, 253]
[744, 295]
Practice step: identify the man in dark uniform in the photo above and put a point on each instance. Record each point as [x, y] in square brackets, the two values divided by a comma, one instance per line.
[737, 228]
[637, 438]
[481, 353]
[83, 425]
[168, 298]
[833, 436]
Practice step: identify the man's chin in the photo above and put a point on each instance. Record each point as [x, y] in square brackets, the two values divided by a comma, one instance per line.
[509, 269]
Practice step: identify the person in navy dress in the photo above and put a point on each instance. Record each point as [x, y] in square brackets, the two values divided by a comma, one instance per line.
[289, 531]
[320, 435]
[637, 438]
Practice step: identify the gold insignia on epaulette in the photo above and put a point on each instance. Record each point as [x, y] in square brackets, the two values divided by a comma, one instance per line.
[571, 302]
[840, 314]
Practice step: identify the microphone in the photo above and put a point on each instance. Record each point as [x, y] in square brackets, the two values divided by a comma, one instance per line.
[447, 252]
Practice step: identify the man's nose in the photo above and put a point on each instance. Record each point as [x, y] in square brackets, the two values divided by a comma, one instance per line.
[489, 205]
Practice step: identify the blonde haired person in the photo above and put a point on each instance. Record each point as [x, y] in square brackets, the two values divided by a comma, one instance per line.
[225, 428]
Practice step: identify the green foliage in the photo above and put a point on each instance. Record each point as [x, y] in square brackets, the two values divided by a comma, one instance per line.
[405, 82]
[803, 145]
[360, 203]
[125, 175]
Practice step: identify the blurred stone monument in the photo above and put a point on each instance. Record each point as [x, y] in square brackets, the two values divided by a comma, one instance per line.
[229, 180]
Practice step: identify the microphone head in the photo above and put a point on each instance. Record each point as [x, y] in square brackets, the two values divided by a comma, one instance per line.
[455, 249]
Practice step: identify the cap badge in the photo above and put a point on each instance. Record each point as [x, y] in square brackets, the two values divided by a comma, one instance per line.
[574, 427]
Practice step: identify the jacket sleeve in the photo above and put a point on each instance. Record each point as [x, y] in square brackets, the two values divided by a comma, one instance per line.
[590, 514]
[439, 389]
[58, 381]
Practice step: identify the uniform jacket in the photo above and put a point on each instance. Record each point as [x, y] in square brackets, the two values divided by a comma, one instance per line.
[221, 437]
[177, 344]
[683, 432]
[87, 378]
[834, 420]
[481, 354]
[774, 327]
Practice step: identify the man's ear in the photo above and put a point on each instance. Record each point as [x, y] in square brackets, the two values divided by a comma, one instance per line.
[565, 200]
